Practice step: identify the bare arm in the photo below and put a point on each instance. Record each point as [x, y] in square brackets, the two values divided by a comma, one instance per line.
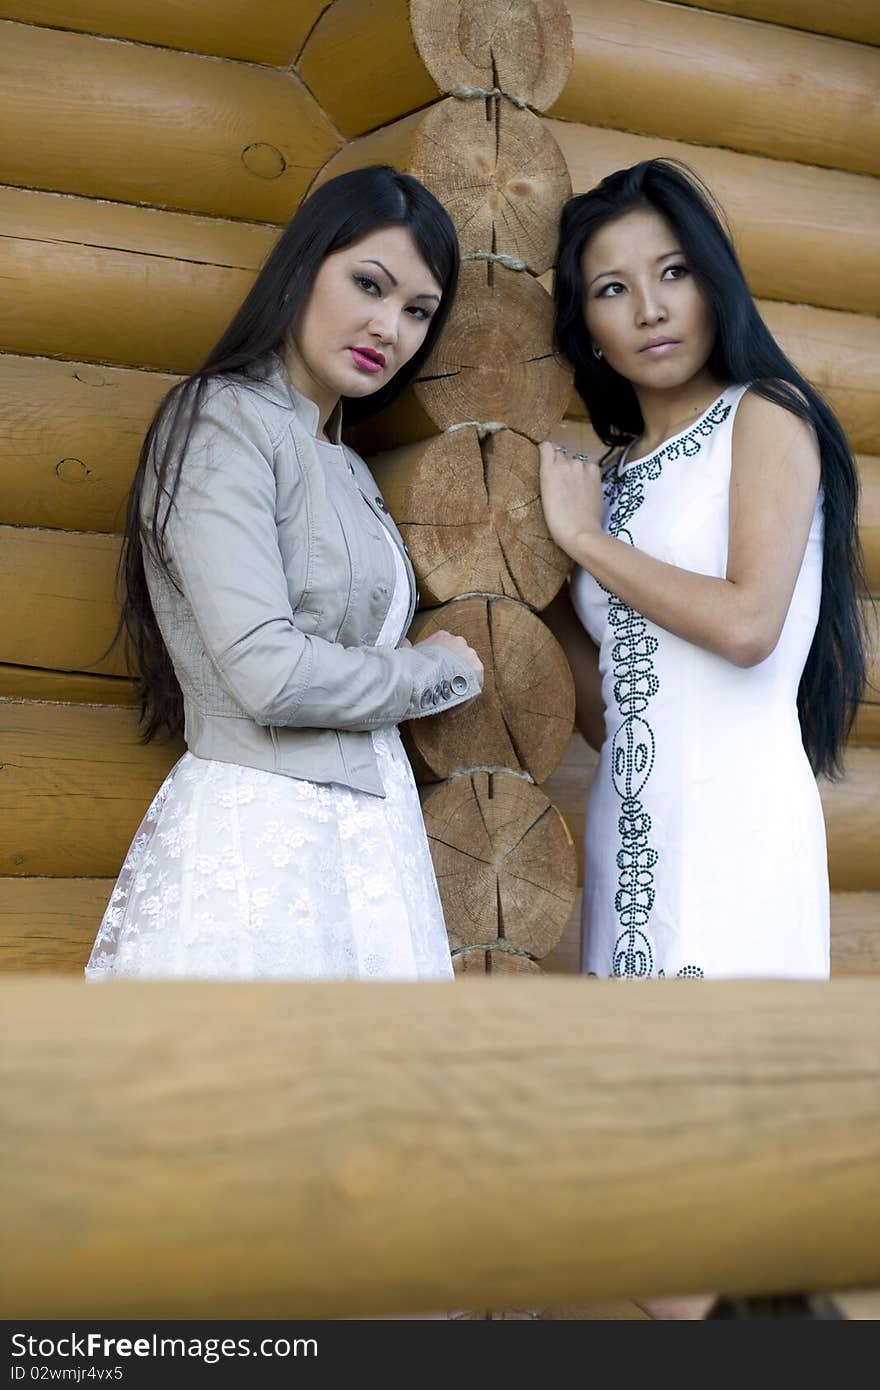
[583, 658]
[773, 488]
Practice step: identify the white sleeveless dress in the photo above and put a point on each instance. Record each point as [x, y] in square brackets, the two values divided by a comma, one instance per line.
[705, 843]
[239, 874]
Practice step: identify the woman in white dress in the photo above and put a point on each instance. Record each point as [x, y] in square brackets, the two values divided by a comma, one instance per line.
[267, 594]
[717, 575]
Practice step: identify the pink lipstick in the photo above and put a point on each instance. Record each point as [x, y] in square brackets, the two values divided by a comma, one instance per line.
[658, 346]
[368, 359]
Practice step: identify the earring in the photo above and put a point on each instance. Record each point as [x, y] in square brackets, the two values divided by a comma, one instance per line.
[597, 353]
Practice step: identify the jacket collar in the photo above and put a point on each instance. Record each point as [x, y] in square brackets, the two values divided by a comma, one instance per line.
[271, 372]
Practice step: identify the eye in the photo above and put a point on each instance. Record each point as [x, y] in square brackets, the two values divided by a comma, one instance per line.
[675, 272]
[610, 290]
[366, 284]
[418, 311]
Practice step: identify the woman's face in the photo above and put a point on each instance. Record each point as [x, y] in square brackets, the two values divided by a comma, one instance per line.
[642, 305]
[367, 314]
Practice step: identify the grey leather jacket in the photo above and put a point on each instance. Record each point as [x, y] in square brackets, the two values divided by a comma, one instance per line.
[280, 583]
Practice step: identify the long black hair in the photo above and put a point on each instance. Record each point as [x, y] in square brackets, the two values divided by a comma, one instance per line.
[336, 215]
[744, 351]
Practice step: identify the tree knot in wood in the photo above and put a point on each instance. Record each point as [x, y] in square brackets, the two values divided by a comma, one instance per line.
[71, 470]
[263, 160]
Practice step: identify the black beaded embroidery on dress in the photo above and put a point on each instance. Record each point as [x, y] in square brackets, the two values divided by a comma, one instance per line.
[635, 684]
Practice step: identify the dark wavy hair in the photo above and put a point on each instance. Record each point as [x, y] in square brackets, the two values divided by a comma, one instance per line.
[336, 215]
[744, 351]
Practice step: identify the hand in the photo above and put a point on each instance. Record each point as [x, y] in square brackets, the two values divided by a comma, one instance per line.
[571, 494]
[459, 647]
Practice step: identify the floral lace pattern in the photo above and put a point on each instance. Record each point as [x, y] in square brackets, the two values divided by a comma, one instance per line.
[241, 874]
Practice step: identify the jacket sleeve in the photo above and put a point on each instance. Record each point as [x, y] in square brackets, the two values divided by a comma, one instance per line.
[222, 544]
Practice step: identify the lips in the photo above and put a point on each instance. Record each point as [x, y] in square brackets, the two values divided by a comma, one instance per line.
[657, 346]
[367, 359]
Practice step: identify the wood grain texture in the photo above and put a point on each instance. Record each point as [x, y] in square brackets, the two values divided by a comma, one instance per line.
[470, 512]
[524, 717]
[847, 19]
[49, 924]
[430, 47]
[808, 235]
[119, 284]
[362, 1142]
[265, 31]
[716, 80]
[505, 865]
[230, 139]
[68, 687]
[496, 169]
[75, 784]
[70, 435]
[60, 609]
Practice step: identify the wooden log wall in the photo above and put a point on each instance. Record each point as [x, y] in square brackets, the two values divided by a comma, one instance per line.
[102, 225]
[774, 104]
[332, 1125]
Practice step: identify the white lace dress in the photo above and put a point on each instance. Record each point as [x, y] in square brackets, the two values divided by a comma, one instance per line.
[238, 874]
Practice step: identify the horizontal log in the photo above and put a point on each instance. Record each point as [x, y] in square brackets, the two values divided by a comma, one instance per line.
[70, 435]
[230, 139]
[855, 938]
[49, 924]
[847, 19]
[119, 284]
[834, 351]
[470, 512]
[496, 169]
[807, 235]
[318, 1103]
[524, 717]
[684, 74]
[429, 47]
[69, 687]
[75, 784]
[60, 609]
[264, 31]
[506, 868]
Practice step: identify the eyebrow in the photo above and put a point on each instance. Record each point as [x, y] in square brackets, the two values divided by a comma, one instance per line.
[665, 257]
[395, 282]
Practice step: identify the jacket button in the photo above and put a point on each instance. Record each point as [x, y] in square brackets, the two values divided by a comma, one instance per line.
[381, 505]
[459, 684]
[426, 699]
[446, 690]
[436, 695]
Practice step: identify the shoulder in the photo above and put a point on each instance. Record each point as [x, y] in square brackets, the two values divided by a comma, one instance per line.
[769, 432]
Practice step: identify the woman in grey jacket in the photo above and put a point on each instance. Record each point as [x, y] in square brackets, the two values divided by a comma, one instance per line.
[266, 597]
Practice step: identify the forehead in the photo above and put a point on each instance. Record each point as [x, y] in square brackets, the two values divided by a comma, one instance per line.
[640, 235]
[396, 248]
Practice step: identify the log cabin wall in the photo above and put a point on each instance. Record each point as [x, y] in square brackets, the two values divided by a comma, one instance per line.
[156, 150]
[774, 103]
[145, 185]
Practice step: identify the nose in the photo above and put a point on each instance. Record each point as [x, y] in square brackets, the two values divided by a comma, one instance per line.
[649, 306]
[384, 324]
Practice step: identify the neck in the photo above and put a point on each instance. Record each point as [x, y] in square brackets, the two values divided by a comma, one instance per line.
[667, 412]
[308, 385]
